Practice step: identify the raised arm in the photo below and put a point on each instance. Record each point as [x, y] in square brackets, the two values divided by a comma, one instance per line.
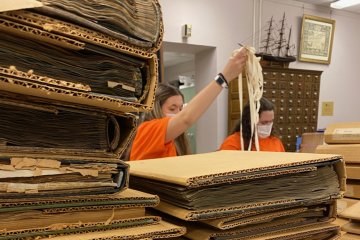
[201, 102]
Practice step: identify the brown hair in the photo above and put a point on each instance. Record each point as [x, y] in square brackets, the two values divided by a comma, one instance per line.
[265, 105]
[163, 92]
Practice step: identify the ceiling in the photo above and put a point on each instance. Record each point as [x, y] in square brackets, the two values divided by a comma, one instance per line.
[326, 3]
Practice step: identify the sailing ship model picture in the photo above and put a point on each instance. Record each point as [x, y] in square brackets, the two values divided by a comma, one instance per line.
[276, 47]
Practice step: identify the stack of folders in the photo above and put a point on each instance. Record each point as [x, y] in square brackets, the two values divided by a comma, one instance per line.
[101, 55]
[71, 74]
[243, 195]
[344, 139]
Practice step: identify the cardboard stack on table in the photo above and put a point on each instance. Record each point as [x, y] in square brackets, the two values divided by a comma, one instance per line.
[243, 195]
[344, 139]
[71, 74]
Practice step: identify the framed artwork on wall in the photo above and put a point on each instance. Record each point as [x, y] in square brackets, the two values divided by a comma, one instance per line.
[317, 35]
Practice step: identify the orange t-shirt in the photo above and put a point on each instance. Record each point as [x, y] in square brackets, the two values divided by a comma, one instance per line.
[270, 144]
[149, 141]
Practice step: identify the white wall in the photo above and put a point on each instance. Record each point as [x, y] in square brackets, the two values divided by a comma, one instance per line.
[223, 24]
[185, 69]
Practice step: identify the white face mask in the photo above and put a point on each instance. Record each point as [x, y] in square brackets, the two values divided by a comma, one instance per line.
[170, 114]
[264, 131]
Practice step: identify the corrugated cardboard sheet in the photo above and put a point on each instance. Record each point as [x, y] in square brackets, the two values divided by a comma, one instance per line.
[226, 183]
[324, 212]
[214, 168]
[348, 132]
[268, 231]
[125, 199]
[162, 230]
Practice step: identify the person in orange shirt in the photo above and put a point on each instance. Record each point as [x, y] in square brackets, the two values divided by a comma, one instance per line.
[162, 132]
[267, 140]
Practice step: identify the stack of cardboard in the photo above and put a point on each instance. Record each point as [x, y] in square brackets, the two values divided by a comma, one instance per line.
[344, 139]
[352, 228]
[310, 141]
[242, 195]
[70, 74]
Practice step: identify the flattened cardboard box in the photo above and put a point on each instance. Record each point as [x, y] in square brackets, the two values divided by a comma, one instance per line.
[240, 220]
[194, 171]
[264, 231]
[162, 230]
[209, 168]
[125, 199]
[48, 128]
[23, 177]
[349, 152]
[46, 87]
[41, 89]
[348, 132]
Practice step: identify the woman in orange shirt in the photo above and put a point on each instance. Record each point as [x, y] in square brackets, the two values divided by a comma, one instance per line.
[162, 132]
[267, 140]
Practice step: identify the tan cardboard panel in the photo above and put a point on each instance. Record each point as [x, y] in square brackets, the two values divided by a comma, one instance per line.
[18, 4]
[161, 230]
[264, 231]
[40, 90]
[241, 209]
[340, 221]
[352, 227]
[310, 141]
[344, 203]
[349, 236]
[205, 168]
[127, 198]
[349, 152]
[239, 220]
[353, 171]
[348, 132]
[353, 189]
[352, 212]
[39, 219]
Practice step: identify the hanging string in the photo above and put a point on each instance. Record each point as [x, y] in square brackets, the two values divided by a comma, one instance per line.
[254, 80]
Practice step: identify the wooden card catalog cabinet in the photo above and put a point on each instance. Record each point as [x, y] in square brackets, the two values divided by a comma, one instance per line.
[295, 93]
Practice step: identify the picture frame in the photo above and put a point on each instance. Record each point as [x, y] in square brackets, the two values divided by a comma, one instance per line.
[317, 37]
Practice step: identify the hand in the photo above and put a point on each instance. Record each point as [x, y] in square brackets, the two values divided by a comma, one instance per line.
[235, 65]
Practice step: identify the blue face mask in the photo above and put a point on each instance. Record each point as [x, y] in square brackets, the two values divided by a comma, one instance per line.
[264, 131]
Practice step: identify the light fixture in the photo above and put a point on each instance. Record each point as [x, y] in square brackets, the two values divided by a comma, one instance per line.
[344, 3]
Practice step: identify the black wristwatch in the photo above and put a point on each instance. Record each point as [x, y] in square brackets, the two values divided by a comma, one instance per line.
[220, 79]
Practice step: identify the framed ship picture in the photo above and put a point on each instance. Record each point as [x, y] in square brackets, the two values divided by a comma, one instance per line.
[316, 41]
